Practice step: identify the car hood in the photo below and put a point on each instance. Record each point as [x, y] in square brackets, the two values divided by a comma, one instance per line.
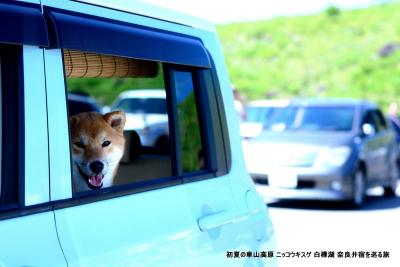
[250, 129]
[320, 139]
[135, 121]
[297, 149]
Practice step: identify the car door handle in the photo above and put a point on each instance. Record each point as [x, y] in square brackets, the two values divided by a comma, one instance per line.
[221, 218]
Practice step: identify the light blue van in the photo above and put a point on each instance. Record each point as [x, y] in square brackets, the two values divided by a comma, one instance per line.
[192, 204]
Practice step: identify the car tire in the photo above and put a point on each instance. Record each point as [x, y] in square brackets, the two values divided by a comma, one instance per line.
[358, 188]
[162, 145]
[390, 189]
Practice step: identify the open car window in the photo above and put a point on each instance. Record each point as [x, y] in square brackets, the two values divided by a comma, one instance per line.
[133, 122]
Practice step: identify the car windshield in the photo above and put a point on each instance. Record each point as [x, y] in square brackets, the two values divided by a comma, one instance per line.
[309, 118]
[258, 114]
[143, 105]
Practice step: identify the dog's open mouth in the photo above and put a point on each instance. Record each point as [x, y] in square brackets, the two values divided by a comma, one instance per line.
[94, 181]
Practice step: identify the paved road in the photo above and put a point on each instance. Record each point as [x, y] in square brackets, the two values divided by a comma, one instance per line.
[330, 226]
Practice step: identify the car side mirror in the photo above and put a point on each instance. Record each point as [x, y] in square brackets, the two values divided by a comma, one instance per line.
[368, 129]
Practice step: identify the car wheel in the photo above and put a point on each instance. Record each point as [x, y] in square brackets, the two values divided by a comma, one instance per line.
[390, 189]
[358, 197]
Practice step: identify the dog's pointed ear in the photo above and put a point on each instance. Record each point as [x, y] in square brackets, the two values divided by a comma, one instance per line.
[73, 120]
[116, 120]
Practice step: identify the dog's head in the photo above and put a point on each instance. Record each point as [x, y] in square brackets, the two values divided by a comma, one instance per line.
[97, 145]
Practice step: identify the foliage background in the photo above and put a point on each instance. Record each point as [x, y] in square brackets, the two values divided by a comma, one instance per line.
[106, 90]
[333, 54]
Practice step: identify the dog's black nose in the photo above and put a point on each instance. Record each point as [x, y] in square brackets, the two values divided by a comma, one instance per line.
[96, 166]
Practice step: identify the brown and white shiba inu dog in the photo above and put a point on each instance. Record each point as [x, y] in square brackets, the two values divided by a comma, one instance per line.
[97, 146]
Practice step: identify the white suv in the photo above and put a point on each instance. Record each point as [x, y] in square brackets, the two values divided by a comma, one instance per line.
[146, 113]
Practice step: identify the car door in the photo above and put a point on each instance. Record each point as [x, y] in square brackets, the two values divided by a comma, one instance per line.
[388, 147]
[184, 209]
[375, 148]
[370, 148]
[28, 235]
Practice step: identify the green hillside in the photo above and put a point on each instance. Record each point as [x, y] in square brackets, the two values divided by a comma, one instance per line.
[335, 53]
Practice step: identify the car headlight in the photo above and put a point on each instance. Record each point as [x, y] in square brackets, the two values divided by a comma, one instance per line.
[332, 156]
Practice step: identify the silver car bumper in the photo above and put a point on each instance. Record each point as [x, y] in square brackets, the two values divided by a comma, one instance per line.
[268, 192]
[332, 184]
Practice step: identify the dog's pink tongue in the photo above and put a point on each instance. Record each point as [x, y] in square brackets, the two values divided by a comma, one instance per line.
[96, 180]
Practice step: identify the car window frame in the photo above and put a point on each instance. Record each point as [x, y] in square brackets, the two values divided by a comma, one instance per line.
[1, 130]
[221, 159]
[219, 121]
[207, 76]
[202, 106]
[368, 118]
[29, 30]
[204, 91]
[381, 122]
[12, 197]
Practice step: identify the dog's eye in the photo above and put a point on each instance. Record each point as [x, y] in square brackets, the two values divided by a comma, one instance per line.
[106, 143]
[80, 144]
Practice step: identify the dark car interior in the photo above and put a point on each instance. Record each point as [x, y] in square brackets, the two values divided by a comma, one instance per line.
[79, 102]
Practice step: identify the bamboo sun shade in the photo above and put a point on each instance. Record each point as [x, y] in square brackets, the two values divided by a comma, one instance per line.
[86, 64]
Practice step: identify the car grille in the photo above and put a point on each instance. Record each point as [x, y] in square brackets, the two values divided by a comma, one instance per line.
[305, 184]
[293, 159]
[301, 184]
[300, 160]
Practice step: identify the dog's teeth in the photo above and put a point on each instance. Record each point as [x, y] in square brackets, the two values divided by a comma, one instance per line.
[96, 180]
